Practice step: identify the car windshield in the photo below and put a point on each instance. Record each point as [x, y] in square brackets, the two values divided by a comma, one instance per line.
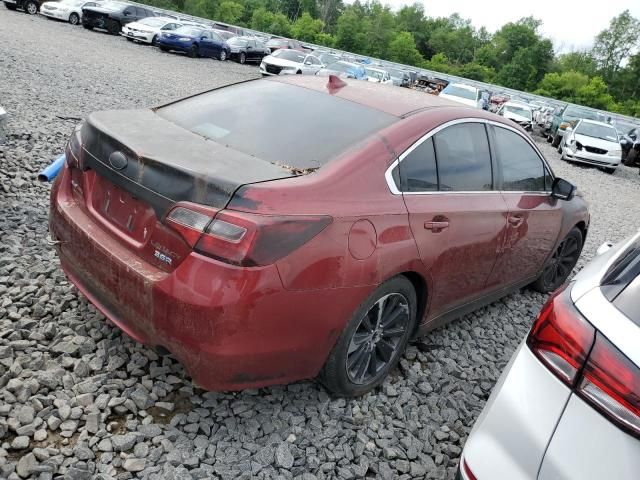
[343, 67]
[113, 6]
[395, 73]
[191, 31]
[374, 73]
[303, 138]
[327, 58]
[523, 112]
[597, 131]
[458, 91]
[153, 22]
[238, 42]
[581, 113]
[291, 55]
[277, 42]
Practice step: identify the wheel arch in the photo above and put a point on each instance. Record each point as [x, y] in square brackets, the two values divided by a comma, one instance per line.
[420, 286]
[582, 226]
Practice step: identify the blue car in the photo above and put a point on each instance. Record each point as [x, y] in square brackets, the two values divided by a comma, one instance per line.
[195, 42]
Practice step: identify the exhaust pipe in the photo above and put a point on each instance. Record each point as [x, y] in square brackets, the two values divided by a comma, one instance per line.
[49, 173]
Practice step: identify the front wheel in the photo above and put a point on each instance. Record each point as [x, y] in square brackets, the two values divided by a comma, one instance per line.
[242, 58]
[154, 41]
[31, 7]
[560, 265]
[556, 141]
[193, 51]
[222, 56]
[373, 340]
[74, 19]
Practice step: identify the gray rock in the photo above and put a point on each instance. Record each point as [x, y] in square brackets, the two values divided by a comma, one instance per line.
[20, 443]
[123, 443]
[26, 465]
[134, 464]
[283, 455]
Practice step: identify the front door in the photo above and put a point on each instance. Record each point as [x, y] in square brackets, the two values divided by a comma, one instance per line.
[456, 216]
[534, 219]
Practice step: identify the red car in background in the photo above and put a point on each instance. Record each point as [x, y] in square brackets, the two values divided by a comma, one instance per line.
[315, 236]
[277, 43]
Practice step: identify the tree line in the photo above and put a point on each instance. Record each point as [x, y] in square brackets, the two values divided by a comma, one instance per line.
[517, 55]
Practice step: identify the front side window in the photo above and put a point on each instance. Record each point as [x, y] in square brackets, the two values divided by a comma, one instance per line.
[464, 161]
[522, 168]
[418, 171]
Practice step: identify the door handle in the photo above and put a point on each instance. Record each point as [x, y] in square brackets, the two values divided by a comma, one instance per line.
[515, 220]
[436, 227]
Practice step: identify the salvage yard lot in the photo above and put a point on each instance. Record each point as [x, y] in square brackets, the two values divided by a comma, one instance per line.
[77, 397]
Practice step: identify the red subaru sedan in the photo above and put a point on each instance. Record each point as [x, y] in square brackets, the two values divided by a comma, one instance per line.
[289, 228]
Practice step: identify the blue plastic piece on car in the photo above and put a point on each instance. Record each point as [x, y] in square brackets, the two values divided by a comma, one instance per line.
[49, 173]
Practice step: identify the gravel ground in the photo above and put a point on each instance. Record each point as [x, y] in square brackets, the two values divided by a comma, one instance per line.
[80, 400]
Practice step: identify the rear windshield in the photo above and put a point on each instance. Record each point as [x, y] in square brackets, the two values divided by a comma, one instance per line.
[276, 122]
[461, 92]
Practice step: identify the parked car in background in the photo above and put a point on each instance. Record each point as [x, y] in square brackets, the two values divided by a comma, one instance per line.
[462, 93]
[568, 404]
[286, 62]
[562, 118]
[378, 75]
[247, 49]
[66, 10]
[195, 42]
[149, 29]
[277, 43]
[225, 34]
[397, 194]
[29, 6]
[326, 58]
[519, 113]
[400, 78]
[344, 69]
[591, 142]
[236, 31]
[541, 115]
[111, 16]
[630, 144]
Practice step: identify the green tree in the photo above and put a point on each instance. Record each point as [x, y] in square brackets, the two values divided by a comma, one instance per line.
[402, 49]
[475, 71]
[230, 12]
[614, 44]
[577, 61]
[275, 23]
[595, 94]
[201, 8]
[325, 39]
[349, 34]
[306, 28]
[562, 86]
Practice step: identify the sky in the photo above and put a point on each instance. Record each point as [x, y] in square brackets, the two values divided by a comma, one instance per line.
[571, 24]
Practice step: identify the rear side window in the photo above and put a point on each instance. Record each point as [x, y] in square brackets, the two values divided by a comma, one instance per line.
[280, 123]
[418, 172]
[464, 161]
[522, 168]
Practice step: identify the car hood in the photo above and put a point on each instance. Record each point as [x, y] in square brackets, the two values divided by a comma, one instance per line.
[464, 101]
[141, 27]
[99, 9]
[597, 142]
[280, 62]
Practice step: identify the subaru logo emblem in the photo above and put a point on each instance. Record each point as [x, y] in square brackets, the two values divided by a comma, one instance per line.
[118, 160]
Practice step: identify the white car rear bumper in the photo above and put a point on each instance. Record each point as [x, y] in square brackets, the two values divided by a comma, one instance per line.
[512, 433]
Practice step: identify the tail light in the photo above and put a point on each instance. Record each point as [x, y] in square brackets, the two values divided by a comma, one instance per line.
[584, 360]
[245, 239]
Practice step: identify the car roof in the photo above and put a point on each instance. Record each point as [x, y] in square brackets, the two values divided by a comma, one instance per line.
[392, 100]
[465, 86]
[595, 122]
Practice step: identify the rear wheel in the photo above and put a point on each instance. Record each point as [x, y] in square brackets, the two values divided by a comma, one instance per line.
[373, 341]
[559, 150]
[556, 141]
[113, 27]
[10, 6]
[74, 19]
[31, 7]
[243, 58]
[560, 265]
[193, 51]
[630, 159]
[222, 56]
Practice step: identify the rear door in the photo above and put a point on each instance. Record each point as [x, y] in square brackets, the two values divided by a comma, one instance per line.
[534, 218]
[456, 216]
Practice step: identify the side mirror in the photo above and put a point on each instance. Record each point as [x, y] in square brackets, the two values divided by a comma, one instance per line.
[307, 62]
[203, 38]
[562, 190]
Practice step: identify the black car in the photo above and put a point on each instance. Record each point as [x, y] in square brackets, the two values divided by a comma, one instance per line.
[30, 6]
[630, 143]
[247, 49]
[112, 16]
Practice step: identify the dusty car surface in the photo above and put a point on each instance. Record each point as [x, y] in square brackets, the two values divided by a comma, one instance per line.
[269, 248]
[571, 392]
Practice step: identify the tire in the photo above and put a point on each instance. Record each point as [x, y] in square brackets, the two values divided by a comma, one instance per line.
[113, 27]
[129, 39]
[556, 141]
[242, 58]
[154, 40]
[630, 160]
[559, 149]
[88, 27]
[299, 72]
[610, 171]
[222, 56]
[164, 49]
[549, 138]
[74, 18]
[10, 6]
[193, 52]
[31, 7]
[349, 374]
[560, 265]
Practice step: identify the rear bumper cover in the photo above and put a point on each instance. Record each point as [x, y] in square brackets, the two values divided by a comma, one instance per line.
[232, 328]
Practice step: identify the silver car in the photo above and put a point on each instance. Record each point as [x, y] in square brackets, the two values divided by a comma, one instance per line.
[568, 404]
[290, 62]
[594, 143]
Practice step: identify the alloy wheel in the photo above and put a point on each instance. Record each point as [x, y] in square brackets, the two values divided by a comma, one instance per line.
[32, 8]
[243, 57]
[561, 263]
[223, 55]
[74, 19]
[377, 339]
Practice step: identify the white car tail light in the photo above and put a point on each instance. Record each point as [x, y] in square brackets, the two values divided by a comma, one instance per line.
[583, 359]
